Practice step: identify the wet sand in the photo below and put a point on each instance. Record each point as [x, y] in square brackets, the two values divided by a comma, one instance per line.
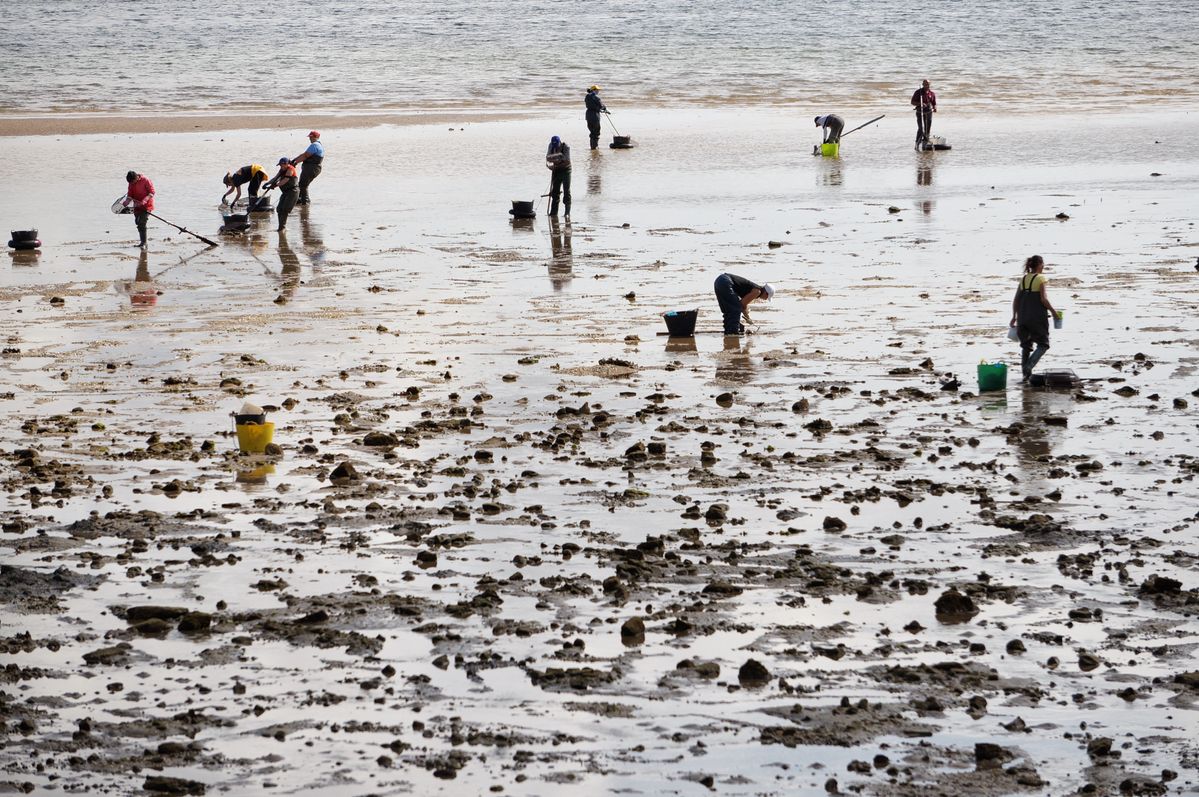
[571, 552]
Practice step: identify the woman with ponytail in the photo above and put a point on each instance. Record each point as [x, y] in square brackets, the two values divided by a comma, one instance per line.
[1030, 315]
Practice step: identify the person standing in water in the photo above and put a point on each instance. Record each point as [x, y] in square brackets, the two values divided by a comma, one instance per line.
[310, 162]
[925, 103]
[595, 107]
[139, 193]
[1030, 309]
[833, 125]
[557, 160]
[286, 181]
[734, 295]
[253, 174]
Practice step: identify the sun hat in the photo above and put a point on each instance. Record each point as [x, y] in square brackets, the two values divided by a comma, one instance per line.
[594, 88]
[768, 289]
[313, 134]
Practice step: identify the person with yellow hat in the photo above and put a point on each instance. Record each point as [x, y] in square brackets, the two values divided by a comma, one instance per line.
[595, 106]
[253, 174]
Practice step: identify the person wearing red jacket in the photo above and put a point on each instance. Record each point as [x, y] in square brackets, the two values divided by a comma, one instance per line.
[141, 195]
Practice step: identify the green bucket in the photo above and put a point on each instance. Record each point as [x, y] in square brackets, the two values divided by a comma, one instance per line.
[992, 376]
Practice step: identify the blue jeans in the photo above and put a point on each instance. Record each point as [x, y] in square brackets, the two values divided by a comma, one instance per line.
[730, 305]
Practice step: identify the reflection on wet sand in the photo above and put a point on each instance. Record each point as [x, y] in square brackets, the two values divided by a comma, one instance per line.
[734, 364]
[311, 238]
[142, 290]
[289, 269]
[829, 172]
[681, 345]
[561, 265]
[24, 257]
[255, 477]
[1039, 411]
[924, 177]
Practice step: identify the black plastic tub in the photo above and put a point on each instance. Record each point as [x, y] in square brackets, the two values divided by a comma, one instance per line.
[522, 210]
[681, 323]
[24, 235]
[23, 246]
[1064, 378]
[260, 204]
[259, 418]
[621, 142]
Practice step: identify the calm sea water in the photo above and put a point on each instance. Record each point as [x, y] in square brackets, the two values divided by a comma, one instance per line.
[229, 55]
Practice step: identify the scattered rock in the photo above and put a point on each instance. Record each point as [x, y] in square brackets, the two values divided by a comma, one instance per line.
[753, 674]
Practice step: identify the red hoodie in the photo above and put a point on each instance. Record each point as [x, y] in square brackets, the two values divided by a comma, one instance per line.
[141, 191]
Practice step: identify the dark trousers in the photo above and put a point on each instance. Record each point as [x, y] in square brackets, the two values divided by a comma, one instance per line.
[924, 124]
[287, 201]
[309, 170]
[730, 305]
[1036, 332]
[832, 131]
[140, 217]
[256, 183]
[559, 183]
[593, 127]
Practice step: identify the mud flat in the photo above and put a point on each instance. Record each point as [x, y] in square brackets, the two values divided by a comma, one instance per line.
[514, 541]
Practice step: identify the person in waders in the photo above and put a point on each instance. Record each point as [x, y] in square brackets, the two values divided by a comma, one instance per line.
[286, 181]
[833, 125]
[139, 193]
[310, 162]
[595, 107]
[1030, 315]
[734, 295]
[925, 103]
[253, 174]
[557, 160]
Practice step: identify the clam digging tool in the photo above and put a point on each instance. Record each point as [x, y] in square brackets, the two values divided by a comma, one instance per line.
[119, 207]
[608, 116]
[859, 127]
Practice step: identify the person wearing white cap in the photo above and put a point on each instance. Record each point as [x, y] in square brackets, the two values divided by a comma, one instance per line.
[833, 125]
[734, 294]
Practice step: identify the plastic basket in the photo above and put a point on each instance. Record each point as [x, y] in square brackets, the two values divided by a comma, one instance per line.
[992, 376]
[830, 150]
[253, 438]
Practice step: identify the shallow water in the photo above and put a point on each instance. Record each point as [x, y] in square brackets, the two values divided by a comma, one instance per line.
[414, 219]
[181, 55]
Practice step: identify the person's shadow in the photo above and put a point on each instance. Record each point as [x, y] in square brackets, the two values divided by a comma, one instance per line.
[561, 265]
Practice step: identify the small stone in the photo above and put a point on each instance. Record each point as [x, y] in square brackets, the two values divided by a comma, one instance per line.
[725, 399]
[1099, 746]
[1015, 647]
[1087, 662]
[953, 606]
[344, 473]
[753, 674]
[800, 406]
[893, 209]
[834, 524]
[1062, 216]
[633, 631]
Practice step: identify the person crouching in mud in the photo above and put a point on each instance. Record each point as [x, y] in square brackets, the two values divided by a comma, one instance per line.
[1030, 309]
[735, 294]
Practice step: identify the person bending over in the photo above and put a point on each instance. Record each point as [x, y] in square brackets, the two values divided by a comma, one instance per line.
[253, 174]
[734, 294]
[833, 125]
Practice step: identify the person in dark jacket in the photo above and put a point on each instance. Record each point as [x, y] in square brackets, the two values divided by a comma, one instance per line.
[1029, 315]
[925, 103]
[595, 107]
[253, 174]
[833, 125]
[557, 160]
[734, 295]
[287, 183]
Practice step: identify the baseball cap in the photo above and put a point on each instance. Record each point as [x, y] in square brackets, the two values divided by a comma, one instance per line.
[313, 134]
[768, 289]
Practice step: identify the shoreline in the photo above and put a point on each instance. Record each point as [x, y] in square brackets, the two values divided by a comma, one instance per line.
[52, 124]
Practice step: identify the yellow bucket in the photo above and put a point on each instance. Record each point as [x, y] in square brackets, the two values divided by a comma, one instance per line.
[830, 150]
[253, 438]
